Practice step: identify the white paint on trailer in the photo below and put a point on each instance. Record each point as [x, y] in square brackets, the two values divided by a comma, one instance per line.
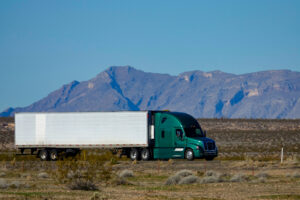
[82, 128]
[40, 128]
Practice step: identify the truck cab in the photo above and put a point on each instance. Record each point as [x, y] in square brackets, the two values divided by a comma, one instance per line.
[179, 135]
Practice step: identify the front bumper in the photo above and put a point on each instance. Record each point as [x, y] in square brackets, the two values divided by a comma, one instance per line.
[211, 153]
[199, 153]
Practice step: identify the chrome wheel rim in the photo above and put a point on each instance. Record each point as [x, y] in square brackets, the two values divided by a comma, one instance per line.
[43, 156]
[133, 155]
[145, 154]
[189, 154]
[53, 156]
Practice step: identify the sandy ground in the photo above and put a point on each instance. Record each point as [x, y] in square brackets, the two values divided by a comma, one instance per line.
[148, 181]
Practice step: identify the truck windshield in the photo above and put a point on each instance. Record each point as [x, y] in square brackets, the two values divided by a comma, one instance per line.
[193, 132]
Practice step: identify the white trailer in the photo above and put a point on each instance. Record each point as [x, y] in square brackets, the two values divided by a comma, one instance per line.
[139, 134]
[51, 133]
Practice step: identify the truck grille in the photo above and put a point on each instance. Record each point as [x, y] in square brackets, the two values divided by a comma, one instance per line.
[210, 146]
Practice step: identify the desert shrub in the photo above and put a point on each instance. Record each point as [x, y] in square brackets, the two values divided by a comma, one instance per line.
[43, 175]
[82, 184]
[95, 196]
[98, 196]
[81, 172]
[296, 175]
[261, 179]
[126, 173]
[73, 169]
[81, 180]
[2, 174]
[200, 173]
[71, 174]
[210, 173]
[113, 161]
[239, 178]
[15, 184]
[262, 175]
[24, 175]
[210, 179]
[184, 173]
[175, 179]
[188, 180]
[105, 173]
[28, 185]
[213, 177]
[3, 183]
[120, 181]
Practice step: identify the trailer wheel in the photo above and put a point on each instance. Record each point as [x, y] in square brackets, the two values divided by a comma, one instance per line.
[145, 154]
[189, 154]
[134, 154]
[43, 155]
[53, 155]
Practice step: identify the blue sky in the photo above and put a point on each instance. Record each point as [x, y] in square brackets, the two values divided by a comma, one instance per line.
[44, 44]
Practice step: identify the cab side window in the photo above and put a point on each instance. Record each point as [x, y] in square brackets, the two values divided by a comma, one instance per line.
[179, 133]
[163, 120]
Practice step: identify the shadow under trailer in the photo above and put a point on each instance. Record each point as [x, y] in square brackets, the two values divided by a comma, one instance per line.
[139, 135]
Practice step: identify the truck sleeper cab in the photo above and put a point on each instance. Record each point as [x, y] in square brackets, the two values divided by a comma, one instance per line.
[179, 135]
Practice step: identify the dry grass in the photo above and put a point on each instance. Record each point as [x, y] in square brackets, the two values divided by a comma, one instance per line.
[248, 168]
[223, 181]
[239, 178]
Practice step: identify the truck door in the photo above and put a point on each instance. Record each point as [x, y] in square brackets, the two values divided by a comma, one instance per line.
[163, 138]
[179, 143]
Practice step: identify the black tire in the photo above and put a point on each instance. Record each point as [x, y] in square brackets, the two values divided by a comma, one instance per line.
[53, 155]
[134, 154]
[209, 158]
[44, 155]
[189, 154]
[145, 154]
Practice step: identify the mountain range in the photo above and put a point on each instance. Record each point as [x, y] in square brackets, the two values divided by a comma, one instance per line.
[265, 94]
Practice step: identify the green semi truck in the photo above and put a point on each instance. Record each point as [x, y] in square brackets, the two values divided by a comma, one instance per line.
[178, 135]
[142, 135]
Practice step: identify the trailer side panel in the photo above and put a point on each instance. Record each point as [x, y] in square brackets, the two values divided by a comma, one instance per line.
[82, 129]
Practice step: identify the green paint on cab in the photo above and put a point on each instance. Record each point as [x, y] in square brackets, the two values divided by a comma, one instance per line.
[176, 132]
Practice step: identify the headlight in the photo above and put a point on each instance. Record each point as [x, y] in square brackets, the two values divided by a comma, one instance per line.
[198, 147]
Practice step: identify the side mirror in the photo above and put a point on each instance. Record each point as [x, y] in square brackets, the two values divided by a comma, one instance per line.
[204, 133]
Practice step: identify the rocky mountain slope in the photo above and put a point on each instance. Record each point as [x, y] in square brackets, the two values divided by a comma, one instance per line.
[266, 94]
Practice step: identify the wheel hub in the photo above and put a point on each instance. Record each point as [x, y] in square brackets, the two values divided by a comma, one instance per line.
[189, 154]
